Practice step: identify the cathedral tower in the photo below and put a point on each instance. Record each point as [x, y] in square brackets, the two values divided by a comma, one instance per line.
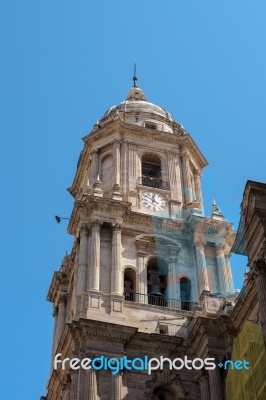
[145, 261]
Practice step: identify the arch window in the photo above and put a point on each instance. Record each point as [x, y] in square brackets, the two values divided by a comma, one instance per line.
[157, 270]
[129, 284]
[162, 393]
[151, 166]
[151, 171]
[185, 293]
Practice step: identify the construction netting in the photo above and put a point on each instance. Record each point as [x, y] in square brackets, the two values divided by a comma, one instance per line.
[248, 384]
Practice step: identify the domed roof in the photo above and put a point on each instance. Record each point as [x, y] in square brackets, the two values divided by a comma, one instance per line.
[136, 102]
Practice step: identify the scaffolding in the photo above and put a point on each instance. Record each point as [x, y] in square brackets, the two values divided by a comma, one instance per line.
[248, 384]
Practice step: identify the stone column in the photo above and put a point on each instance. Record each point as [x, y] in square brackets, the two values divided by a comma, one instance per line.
[222, 270]
[74, 384]
[125, 166]
[89, 257]
[202, 267]
[178, 167]
[82, 266]
[216, 384]
[259, 269]
[94, 167]
[116, 273]
[186, 177]
[66, 393]
[61, 318]
[75, 282]
[91, 385]
[204, 388]
[172, 288]
[197, 184]
[132, 170]
[116, 388]
[55, 315]
[95, 256]
[142, 287]
[171, 158]
[229, 272]
[116, 157]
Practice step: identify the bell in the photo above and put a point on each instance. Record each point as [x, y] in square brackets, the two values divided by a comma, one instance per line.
[155, 290]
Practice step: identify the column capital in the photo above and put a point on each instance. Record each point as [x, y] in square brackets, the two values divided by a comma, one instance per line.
[197, 173]
[117, 226]
[117, 142]
[172, 260]
[125, 141]
[219, 248]
[172, 153]
[84, 230]
[259, 267]
[199, 243]
[133, 146]
[95, 223]
[62, 299]
[184, 151]
[55, 311]
[95, 152]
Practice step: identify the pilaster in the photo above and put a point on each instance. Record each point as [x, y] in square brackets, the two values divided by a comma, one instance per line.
[204, 388]
[83, 257]
[259, 270]
[94, 166]
[202, 267]
[116, 387]
[116, 157]
[116, 273]
[186, 177]
[222, 269]
[94, 280]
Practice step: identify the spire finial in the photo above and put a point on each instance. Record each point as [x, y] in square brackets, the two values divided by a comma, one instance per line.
[135, 73]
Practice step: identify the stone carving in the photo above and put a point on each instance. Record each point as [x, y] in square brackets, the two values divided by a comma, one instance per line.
[117, 226]
[259, 267]
[165, 377]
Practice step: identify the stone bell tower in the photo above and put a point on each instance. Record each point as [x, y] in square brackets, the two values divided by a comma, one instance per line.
[144, 260]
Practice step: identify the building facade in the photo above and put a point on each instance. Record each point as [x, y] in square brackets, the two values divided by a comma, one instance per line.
[249, 314]
[149, 274]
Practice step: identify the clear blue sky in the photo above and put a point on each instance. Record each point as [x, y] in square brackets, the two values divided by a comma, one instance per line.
[63, 63]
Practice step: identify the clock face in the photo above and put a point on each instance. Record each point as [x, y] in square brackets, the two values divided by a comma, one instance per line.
[153, 201]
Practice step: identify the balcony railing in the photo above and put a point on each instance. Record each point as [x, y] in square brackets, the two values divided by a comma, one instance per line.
[160, 301]
[153, 182]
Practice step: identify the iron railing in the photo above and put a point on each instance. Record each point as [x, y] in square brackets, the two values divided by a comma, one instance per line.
[160, 301]
[152, 182]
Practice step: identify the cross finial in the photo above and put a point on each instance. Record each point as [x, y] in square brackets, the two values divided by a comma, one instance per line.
[135, 77]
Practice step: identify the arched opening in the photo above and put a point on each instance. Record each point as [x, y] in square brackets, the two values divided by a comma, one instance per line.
[185, 293]
[157, 271]
[129, 284]
[162, 393]
[151, 171]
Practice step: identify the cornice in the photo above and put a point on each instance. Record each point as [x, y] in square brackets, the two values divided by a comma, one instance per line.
[99, 330]
[85, 209]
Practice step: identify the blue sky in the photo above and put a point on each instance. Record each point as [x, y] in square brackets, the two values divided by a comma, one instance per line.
[63, 64]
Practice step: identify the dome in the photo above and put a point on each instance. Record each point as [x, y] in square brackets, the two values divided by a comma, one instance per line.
[137, 110]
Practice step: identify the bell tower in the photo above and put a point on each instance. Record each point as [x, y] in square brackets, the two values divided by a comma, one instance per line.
[144, 258]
